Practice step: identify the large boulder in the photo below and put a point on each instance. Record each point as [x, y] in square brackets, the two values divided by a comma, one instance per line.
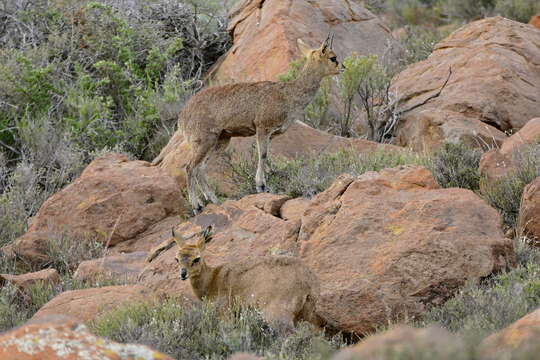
[529, 212]
[519, 337]
[264, 34]
[388, 244]
[407, 342]
[384, 245]
[112, 201]
[493, 87]
[300, 140]
[68, 340]
[499, 162]
[87, 304]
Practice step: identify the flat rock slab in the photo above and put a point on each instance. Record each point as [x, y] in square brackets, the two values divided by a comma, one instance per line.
[87, 304]
[123, 267]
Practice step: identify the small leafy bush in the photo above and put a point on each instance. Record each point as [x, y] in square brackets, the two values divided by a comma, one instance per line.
[485, 308]
[414, 12]
[456, 165]
[520, 10]
[203, 331]
[65, 253]
[467, 10]
[419, 42]
[15, 309]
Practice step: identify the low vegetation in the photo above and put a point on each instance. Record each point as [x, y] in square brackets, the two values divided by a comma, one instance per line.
[453, 165]
[505, 193]
[202, 331]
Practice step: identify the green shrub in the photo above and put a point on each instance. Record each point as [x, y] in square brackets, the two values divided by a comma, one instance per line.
[356, 73]
[519, 10]
[15, 309]
[419, 43]
[414, 12]
[489, 307]
[307, 176]
[456, 165]
[65, 253]
[202, 331]
[467, 10]
[505, 194]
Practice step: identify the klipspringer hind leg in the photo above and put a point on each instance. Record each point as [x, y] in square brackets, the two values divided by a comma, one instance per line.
[201, 175]
[199, 151]
[263, 141]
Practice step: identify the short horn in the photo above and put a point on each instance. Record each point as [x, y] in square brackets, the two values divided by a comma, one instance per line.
[325, 43]
[332, 41]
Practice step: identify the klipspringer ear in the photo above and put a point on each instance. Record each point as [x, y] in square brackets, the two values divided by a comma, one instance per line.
[205, 237]
[178, 238]
[304, 48]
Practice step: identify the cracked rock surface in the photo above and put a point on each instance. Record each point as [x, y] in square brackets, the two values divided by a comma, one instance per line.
[493, 87]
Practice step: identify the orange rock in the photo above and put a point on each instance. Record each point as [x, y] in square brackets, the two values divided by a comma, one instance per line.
[521, 336]
[535, 21]
[497, 163]
[264, 35]
[493, 87]
[112, 201]
[122, 267]
[401, 340]
[69, 341]
[46, 277]
[529, 213]
[87, 304]
[386, 245]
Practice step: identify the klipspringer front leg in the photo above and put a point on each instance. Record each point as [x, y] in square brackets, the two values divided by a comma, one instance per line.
[263, 140]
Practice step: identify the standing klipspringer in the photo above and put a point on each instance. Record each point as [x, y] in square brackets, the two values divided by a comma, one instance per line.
[264, 109]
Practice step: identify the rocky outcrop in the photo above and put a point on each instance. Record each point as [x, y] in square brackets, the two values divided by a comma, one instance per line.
[493, 87]
[68, 340]
[264, 34]
[300, 140]
[404, 340]
[87, 304]
[112, 201]
[519, 337]
[499, 162]
[390, 243]
[47, 277]
[529, 212]
[384, 245]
